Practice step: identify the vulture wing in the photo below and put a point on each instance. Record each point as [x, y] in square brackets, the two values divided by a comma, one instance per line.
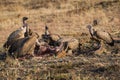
[105, 36]
[28, 46]
[13, 37]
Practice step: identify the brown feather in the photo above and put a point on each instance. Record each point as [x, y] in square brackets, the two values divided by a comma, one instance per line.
[105, 36]
[13, 37]
[24, 46]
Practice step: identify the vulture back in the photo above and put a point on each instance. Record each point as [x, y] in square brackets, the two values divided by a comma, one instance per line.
[55, 37]
[105, 36]
[24, 46]
[28, 45]
[14, 36]
[73, 43]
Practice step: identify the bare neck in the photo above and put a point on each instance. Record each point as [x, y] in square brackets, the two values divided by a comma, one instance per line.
[47, 32]
[24, 24]
[91, 30]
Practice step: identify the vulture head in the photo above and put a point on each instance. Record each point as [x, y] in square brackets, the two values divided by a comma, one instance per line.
[25, 18]
[46, 28]
[95, 22]
[24, 21]
[91, 30]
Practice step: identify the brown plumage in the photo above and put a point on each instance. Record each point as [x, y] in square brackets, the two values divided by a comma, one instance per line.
[105, 36]
[24, 46]
[73, 44]
[17, 34]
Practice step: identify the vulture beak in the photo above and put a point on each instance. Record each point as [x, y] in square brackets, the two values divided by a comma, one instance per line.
[25, 18]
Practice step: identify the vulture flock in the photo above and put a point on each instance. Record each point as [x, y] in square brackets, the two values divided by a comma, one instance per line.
[25, 43]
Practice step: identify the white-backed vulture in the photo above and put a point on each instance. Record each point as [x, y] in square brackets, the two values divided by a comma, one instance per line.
[50, 38]
[105, 36]
[24, 46]
[73, 44]
[17, 34]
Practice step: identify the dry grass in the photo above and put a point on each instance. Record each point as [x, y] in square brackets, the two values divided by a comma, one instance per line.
[69, 19]
[77, 68]
[63, 17]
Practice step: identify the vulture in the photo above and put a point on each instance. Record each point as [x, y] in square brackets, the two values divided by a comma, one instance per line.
[105, 36]
[24, 46]
[17, 34]
[51, 39]
[72, 44]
